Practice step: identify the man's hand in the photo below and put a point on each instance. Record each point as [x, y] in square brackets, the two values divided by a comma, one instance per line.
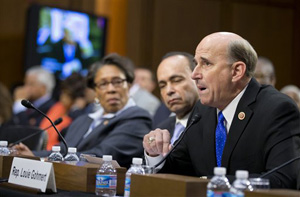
[22, 149]
[157, 142]
[21, 93]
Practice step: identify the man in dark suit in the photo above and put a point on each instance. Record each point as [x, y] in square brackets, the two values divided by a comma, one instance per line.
[243, 125]
[118, 127]
[38, 86]
[178, 91]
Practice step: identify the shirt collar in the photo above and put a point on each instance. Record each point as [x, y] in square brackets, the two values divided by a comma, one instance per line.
[99, 113]
[230, 109]
[183, 120]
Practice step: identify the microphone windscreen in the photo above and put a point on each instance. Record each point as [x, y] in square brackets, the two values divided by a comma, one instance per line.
[26, 103]
[196, 118]
[58, 121]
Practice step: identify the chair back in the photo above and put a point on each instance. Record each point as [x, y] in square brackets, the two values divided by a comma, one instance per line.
[17, 132]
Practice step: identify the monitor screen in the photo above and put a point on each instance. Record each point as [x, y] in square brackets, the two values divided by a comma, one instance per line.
[63, 41]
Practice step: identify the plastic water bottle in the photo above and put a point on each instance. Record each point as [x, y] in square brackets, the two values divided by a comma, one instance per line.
[240, 184]
[136, 168]
[55, 155]
[4, 151]
[219, 185]
[71, 157]
[106, 178]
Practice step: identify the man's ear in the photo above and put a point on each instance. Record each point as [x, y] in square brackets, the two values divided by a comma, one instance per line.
[238, 70]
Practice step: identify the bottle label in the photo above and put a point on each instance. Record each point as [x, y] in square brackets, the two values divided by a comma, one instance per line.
[210, 193]
[237, 195]
[127, 184]
[106, 181]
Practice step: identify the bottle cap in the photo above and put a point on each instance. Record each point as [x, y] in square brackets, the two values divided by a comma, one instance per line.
[241, 174]
[3, 143]
[107, 157]
[55, 148]
[219, 171]
[136, 160]
[72, 150]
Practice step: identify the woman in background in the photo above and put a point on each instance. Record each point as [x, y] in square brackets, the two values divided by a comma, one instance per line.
[71, 98]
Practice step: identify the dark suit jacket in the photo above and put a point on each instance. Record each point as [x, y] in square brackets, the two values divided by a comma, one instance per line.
[267, 137]
[168, 124]
[121, 136]
[32, 117]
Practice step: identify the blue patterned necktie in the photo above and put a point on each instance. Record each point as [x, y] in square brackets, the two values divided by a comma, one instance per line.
[220, 138]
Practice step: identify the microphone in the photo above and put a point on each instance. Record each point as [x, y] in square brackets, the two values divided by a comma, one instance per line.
[56, 122]
[279, 167]
[195, 119]
[28, 104]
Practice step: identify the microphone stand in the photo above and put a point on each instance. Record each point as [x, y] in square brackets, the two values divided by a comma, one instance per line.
[279, 167]
[56, 122]
[30, 105]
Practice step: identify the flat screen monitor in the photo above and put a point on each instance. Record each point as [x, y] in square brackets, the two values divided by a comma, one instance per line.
[63, 41]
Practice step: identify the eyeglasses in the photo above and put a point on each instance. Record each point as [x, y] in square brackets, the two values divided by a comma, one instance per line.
[117, 83]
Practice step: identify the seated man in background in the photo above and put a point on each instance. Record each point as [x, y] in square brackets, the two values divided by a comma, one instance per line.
[243, 125]
[117, 128]
[265, 72]
[178, 90]
[293, 92]
[145, 78]
[38, 87]
[140, 91]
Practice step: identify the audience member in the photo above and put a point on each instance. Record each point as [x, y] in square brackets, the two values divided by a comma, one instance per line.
[117, 128]
[258, 127]
[145, 78]
[265, 72]
[178, 90]
[38, 87]
[71, 98]
[293, 92]
[6, 103]
[142, 97]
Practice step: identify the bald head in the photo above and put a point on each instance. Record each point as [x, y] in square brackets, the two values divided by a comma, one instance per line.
[225, 65]
[234, 47]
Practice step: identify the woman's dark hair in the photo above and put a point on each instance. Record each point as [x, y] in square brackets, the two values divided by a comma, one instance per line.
[123, 63]
[74, 85]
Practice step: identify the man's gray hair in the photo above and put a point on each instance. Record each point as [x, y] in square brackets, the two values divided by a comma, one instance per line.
[43, 76]
[241, 50]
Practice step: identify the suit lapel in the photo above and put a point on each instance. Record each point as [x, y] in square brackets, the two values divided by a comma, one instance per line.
[81, 131]
[97, 133]
[172, 125]
[240, 120]
[209, 122]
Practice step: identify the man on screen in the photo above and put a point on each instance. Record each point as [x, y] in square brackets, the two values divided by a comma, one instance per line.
[243, 125]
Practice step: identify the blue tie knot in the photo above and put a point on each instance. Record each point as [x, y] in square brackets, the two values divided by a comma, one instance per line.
[221, 118]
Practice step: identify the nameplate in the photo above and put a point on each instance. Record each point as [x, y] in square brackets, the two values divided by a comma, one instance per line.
[31, 173]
